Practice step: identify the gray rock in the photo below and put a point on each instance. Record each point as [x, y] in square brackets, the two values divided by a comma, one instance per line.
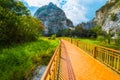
[87, 25]
[38, 72]
[53, 18]
[108, 17]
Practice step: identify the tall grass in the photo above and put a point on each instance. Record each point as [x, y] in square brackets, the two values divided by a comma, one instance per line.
[18, 62]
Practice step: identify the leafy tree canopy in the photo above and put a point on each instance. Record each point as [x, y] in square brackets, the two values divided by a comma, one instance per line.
[16, 24]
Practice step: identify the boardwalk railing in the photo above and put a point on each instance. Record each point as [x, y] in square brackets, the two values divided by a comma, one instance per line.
[52, 70]
[109, 57]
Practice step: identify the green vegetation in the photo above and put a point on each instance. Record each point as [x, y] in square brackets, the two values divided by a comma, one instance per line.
[78, 32]
[97, 36]
[113, 17]
[101, 38]
[117, 2]
[100, 41]
[109, 5]
[20, 49]
[53, 37]
[19, 61]
[16, 24]
[94, 35]
[117, 40]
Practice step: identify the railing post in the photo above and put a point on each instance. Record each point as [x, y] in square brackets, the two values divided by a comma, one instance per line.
[77, 43]
[95, 52]
[118, 64]
[71, 40]
[59, 61]
[52, 69]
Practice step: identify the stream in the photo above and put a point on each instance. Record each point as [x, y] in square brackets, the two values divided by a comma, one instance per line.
[39, 72]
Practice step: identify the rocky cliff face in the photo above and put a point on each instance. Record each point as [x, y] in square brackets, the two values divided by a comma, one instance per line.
[87, 25]
[53, 18]
[108, 16]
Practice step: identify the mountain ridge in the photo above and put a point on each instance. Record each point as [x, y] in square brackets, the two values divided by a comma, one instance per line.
[53, 18]
[108, 16]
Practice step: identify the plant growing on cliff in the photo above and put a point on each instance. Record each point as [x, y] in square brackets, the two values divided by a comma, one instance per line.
[113, 17]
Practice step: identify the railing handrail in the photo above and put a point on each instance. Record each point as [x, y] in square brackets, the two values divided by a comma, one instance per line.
[108, 56]
[101, 47]
[109, 49]
[50, 63]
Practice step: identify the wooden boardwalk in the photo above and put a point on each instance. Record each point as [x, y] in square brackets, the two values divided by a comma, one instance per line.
[75, 64]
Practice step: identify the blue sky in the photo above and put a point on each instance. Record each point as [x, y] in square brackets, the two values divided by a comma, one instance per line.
[76, 10]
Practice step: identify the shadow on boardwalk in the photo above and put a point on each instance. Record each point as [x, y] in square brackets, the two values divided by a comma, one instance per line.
[78, 65]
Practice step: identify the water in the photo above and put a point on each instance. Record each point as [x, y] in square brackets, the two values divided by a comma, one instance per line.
[39, 72]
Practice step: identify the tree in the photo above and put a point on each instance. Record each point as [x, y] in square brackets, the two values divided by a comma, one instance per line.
[14, 6]
[98, 30]
[117, 40]
[109, 35]
[16, 25]
[79, 31]
[67, 32]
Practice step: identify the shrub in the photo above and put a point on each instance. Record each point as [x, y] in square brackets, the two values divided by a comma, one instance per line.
[117, 41]
[101, 38]
[53, 37]
[16, 26]
[113, 17]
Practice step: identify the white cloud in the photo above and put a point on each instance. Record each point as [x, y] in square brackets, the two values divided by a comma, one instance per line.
[75, 10]
[39, 3]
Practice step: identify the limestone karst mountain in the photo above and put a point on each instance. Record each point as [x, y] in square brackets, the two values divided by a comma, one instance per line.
[108, 16]
[53, 18]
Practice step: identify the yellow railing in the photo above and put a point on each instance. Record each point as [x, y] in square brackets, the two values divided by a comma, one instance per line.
[108, 56]
[52, 70]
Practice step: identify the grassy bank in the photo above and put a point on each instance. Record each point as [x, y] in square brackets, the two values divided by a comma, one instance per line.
[97, 42]
[19, 61]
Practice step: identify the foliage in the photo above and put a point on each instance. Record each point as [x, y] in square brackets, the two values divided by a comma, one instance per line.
[16, 25]
[98, 30]
[109, 35]
[59, 33]
[84, 33]
[117, 40]
[113, 17]
[19, 61]
[14, 6]
[78, 31]
[101, 38]
[53, 37]
[117, 2]
[65, 32]
[97, 42]
[107, 6]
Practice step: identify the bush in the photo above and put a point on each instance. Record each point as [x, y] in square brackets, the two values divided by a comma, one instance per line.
[101, 38]
[113, 17]
[16, 26]
[53, 37]
[117, 41]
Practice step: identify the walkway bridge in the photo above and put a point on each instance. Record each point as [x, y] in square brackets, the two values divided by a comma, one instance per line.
[82, 61]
